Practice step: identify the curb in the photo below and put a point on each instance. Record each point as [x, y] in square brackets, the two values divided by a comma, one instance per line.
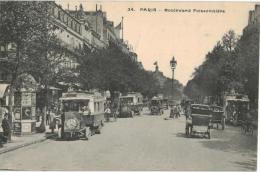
[25, 144]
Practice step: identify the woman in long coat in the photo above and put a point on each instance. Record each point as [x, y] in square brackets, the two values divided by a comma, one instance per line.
[52, 121]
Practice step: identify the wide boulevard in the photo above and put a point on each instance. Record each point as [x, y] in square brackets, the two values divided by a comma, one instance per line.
[141, 143]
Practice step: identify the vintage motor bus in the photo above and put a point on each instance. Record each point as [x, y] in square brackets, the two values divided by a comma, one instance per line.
[156, 106]
[83, 114]
[235, 107]
[130, 104]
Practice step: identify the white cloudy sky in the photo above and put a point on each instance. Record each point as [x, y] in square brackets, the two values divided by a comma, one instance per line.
[157, 36]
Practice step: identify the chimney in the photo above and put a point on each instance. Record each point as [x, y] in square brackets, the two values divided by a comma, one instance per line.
[68, 6]
[96, 7]
[76, 8]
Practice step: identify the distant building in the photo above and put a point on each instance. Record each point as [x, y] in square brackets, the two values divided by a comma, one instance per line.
[254, 16]
[159, 76]
[253, 20]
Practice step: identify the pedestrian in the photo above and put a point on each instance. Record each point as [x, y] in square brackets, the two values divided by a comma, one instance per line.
[48, 117]
[107, 113]
[6, 127]
[52, 121]
[172, 113]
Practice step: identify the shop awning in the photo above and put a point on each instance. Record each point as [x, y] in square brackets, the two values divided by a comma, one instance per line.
[53, 88]
[3, 88]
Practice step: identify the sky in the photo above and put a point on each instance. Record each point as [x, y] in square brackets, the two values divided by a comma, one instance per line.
[158, 36]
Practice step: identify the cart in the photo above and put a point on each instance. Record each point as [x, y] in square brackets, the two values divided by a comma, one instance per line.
[199, 122]
[218, 116]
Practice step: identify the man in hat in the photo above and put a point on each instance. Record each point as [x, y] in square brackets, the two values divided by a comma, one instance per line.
[6, 127]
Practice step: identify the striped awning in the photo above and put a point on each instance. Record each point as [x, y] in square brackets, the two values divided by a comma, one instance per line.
[3, 88]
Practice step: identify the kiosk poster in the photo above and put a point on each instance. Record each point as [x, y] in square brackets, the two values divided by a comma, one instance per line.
[17, 113]
[26, 99]
[17, 127]
[26, 113]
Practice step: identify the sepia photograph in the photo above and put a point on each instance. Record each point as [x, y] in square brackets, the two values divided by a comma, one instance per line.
[120, 85]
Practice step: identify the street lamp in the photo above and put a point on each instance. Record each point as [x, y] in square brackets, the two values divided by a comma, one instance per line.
[173, 64]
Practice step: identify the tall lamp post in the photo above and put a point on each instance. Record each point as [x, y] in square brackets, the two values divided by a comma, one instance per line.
[173, 64]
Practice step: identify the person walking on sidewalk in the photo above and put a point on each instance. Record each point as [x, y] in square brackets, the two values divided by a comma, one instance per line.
[52, 120]
[48, 117]
[6, 127]
[107, 113]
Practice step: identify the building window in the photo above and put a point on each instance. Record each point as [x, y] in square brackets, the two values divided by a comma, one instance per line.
[59, 15]
[52, 11]
[2, 48]
[4, 76]
[71, 24]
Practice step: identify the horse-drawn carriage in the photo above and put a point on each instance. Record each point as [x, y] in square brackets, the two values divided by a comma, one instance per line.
[199, 121]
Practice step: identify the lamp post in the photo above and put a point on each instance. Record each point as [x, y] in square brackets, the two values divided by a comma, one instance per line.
[173, 64]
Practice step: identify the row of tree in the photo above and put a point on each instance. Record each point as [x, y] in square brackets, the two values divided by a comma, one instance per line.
[233, 64]
[111, 69]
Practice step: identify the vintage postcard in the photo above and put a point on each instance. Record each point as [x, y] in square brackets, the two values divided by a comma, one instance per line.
[129, 85]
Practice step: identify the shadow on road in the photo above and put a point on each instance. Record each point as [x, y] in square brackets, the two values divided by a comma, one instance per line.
[231, 140]
[55, 138]
[247, 165]
[196, 136]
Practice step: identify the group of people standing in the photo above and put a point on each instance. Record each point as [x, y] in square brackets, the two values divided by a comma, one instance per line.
[53, 118]
[176, 111]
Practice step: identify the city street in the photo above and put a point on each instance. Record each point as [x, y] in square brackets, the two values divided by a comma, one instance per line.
[141, 143]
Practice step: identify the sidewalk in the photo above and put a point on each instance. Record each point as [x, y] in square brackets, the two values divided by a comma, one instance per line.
[25, 140]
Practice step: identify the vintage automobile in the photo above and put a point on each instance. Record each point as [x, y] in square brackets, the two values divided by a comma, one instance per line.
[130, 105]
[199, 121]
[83, 114]
[218, 116]
[156, 106]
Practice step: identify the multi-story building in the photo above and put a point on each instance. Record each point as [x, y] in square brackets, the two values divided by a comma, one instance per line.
[253, 20]
[103, 30]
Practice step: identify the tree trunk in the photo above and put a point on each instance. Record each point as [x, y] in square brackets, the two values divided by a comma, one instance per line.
[10, 106]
